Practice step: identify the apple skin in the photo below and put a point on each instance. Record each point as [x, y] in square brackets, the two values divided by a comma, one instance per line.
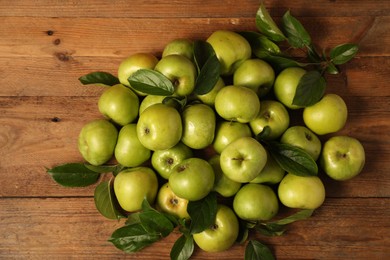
[243, 159]
[129, 151]
[132, 185]
[159, 127]
[273, 114]
[236, 103]
[133, 63]
[167, 201]
[192, 179]
[148, 101]
[163, 161]
[231, 49]
[209, 98]
[302, 137]
[180, 46]
[97, 140]
[328, 115]
[271, 174]
[199, 122]
[222, 184]
[181, 71]
[343, 157]
[222, 235]
[302, 192]
[227, 132]
[255, 74]
[286, 84]
[255, 202]
[120, 104]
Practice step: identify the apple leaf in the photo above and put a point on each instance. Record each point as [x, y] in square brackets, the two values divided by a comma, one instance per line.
[151, 82]
[183, 248]
[208, 67]
[99, 77]
[73, 175]
[256, 250]
[103, 168]
[343, 53]
[279, 62]
[104, 202]
[277, 228]
[177, 102]
[266, 25]
[296, 34]
[202, 213]
[132, 238]
[292, 159]
[261, 46]
[310, 89]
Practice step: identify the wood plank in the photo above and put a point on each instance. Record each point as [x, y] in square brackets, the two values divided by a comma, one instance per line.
[39, 132]
[117, 37]
[49, 76]
[48, 228]
[195, 8]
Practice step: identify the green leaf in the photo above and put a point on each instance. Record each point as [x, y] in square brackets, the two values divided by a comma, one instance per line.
[343, 53]
[266, 25]
[177, 102]
[263, 135]
[208, 66]
[296, 34]
[243, 232]
[280, 62]
[183, 248]
[258, 251]
[261, 46]
[151, 82]
[103, 197]
[202, 213]
[292, 159]
[99, 77]
[156, 222]
[310, 89]
[73, 175]
[133, 218]
[277, 228]
[102, 168]
[332, 69]
[132, 238]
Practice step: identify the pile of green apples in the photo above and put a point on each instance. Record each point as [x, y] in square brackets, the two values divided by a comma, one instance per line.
[179, 147]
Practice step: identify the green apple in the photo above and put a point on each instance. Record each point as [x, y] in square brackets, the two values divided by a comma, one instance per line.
[132, 185]
[231, 49]
[272, 114]
[255, 202]
[120, 104]
[328, 115]
[129, 151]
[209, 97]
[167, 201]
[180, 70]
[243, 159]
[227, 132]
[198, 126]
[97, 140]
[192, 179]
[133, 63]
[159, 127]
[343, 157]
[222, 234]
[180, 46]
[255, 74]
[163, 161]
[286, 84]
[302, 137]
[222, 184]
[148, 101]
[303, 192]
[236, 103]
[271, 174]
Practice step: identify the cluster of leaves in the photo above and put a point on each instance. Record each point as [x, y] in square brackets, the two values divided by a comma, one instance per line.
[149, 225]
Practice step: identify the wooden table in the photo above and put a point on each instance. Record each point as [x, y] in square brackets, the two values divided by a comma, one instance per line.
[45, 45]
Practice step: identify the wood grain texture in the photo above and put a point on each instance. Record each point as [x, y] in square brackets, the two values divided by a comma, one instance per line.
[46, 45]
